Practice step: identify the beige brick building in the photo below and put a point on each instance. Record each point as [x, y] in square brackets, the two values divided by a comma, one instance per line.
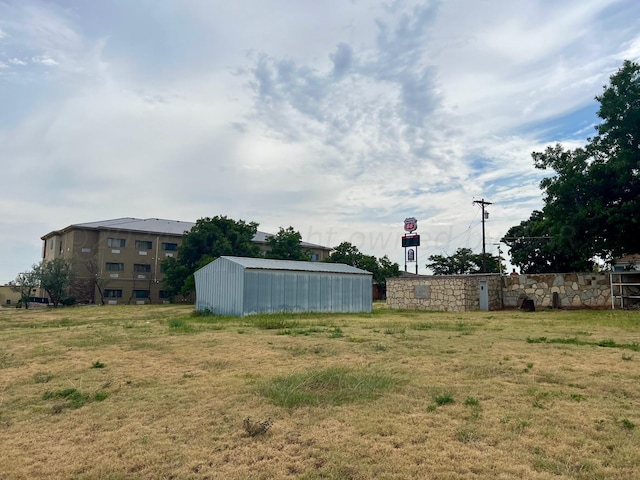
[122, 257]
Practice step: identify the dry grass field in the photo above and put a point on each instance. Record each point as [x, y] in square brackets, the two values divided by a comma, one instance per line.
[158, 392]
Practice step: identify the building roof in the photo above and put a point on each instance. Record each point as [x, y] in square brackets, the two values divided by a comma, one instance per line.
[153, 225]
[158, 225]
[294, 265]
[633, 258]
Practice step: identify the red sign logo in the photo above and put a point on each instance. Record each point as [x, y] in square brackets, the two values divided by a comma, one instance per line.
[410, 224]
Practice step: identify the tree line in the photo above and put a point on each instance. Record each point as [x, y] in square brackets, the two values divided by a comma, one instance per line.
[214, 237]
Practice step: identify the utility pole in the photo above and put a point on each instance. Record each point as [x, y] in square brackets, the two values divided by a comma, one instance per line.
[484, 251]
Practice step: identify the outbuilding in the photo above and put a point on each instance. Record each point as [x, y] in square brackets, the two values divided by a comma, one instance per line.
[243, 286]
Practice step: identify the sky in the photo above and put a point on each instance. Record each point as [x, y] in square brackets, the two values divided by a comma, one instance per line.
[340, 118]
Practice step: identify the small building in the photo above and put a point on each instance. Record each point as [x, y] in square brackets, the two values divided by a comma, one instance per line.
[242, 286]
[455, 293]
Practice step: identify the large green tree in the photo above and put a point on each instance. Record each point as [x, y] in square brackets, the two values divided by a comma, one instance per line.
[463, 262]
[381, 268]
[209, 239]
[286, 245]
[536, 247]
[592, 200]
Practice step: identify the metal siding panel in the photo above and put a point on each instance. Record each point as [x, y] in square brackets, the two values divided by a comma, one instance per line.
[290, 292]
[251, 292]
[277, 292]
[302, 292]
[314, 292]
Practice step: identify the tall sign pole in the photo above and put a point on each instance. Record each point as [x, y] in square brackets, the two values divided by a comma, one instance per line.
[484, 251]
[410, 241]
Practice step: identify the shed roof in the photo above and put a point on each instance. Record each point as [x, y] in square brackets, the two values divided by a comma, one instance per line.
[294, 265]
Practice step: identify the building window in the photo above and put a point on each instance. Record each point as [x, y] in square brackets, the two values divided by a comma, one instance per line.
[170, 246]
[115, 267]
[115, 242]
[314, 257]
[141, 267]
[112, 293]
[141, 293]
[163, 294]
[51, 242]
[143, 245]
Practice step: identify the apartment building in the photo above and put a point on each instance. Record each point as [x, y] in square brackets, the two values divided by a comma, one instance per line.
[119, 261]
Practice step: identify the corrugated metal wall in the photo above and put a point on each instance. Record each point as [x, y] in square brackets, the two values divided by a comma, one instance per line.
[288, 291]
[226, 288]
[219, 288]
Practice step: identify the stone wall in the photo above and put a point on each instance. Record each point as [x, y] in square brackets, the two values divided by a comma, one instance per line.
[590, 290]
[455, 293]
[461, 292]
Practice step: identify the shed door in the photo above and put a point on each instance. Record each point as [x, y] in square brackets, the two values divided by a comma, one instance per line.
[484, 295]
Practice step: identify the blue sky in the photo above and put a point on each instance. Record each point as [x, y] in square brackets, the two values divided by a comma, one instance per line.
[339, 118]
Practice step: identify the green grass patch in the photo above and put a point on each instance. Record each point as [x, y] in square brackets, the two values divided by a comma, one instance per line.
[330, 386]
[72, 398]
[461, 327]
[607, 343]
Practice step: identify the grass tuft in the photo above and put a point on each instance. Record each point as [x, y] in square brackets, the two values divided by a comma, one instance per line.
[330, 386]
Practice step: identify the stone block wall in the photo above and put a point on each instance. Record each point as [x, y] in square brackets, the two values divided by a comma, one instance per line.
[454, 293]
[589, 290]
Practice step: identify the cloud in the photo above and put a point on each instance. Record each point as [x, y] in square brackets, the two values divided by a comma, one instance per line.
[340, 120]
[45, 61]
[341, 59]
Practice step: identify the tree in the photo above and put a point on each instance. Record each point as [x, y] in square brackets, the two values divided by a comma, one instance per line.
[535, 249]
[209, 239]
[381, 269]
[592, 202]
[463, 262]
[55, 278]
[25, 283]
[96, 281]
[286, 245]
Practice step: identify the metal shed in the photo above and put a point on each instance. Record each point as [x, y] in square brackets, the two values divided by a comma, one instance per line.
[243, 286]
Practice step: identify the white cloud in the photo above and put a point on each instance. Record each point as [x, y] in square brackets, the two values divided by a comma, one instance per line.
[44, 61]
[339, 119]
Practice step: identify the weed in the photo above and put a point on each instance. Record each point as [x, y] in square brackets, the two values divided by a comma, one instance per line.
[177, 323]
[432, 407]
[73, 397]
[628, 424]
[379, 347]
[336, 333]
[254, 428]
[100, 396]
[97, 364]
[392, 331]
[472, 402]
[273, 322]
[444, 399]
[576, 397]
